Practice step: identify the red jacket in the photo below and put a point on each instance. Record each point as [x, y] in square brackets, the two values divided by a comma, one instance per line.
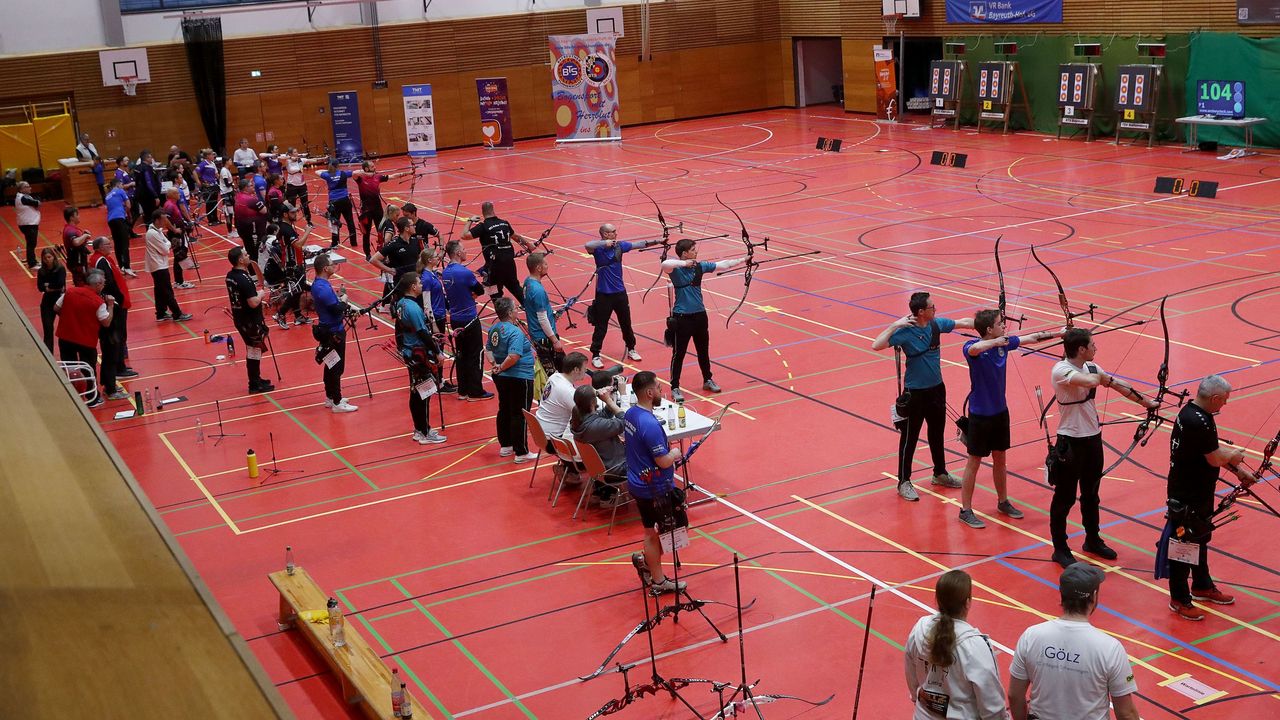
[123, 300]
[78, 320]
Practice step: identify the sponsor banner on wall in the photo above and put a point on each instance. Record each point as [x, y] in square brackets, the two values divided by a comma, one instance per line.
[584, 87]
[495, 113]
[1004, 11]
[419, 120]
[886, 85]
[344, 115]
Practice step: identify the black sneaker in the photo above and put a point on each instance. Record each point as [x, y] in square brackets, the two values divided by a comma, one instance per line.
[127, 373]
[485, 395]
[261, 387]
[1096, 546]
[96, 402]
[448, 387]
[1064, 558]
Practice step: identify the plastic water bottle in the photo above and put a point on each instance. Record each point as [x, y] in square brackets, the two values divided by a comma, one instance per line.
[337, 633]
[149, 403]
[289, 565]
[199, 432]
[397, 693]
[671, 416]
[231, 347]
[158, 398]
[680, 414]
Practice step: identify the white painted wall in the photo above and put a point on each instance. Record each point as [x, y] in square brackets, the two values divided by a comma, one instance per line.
[43, 26]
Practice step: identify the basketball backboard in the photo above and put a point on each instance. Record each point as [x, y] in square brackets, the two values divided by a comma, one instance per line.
[905, 8]
[122, 63]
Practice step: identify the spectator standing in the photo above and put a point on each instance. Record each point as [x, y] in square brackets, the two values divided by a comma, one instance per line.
[27, 208]
[75, 245]
[83, 312]
[121, 226]
[51, 281]
[156, 262]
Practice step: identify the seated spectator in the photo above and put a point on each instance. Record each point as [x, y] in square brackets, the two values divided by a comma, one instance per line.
[602, 429]
[556, 406]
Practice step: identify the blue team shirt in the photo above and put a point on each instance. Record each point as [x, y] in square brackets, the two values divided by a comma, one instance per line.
[117, 205]
[506, 339]
[535, 301]
[435, 289]
[415, 320]
[337, 184]
[688, 296]
[260, 187]
[645, 440]
[328, 307]
[609, 268]
[987, 374]
[923, 371]
[124, 177]
[458, 281]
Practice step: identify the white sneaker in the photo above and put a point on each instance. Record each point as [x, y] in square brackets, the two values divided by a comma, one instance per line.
[126, 271]
[419, 438]
[433, 438]
[506, 452]
[633, 355]
[329, 403]
[345, 407]
[597, 363]
[527, 457]
[185, 285]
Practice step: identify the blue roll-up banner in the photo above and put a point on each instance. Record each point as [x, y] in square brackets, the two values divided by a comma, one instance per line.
[419, 120]
[344, 114]
[1004, 11]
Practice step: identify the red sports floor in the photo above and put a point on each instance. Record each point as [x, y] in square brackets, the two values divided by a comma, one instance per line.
[492, 602]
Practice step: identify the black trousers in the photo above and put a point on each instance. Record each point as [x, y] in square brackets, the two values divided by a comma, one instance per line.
[147, 205]
[339, 209]
[515, 395]
[333, 375]
[1199, 574]
[419, 409]
[212, 198]
[251, 233]
[112, 351]
[121, 232]
[47, 317]
[166, 303]
[927, 404]
[691, 326]
[1080, 472]
[470, 345]
[30, 233]
[502, 275]
[252, 367]
[370, 217]
[297, 195]
[605, 305]
[71, 352]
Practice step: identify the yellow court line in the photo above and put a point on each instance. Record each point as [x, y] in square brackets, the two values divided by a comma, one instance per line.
[981, 586]
[480, 447]
[203, 490]
[380, 501]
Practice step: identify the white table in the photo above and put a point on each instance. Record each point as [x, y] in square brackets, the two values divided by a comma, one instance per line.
[1195, 121]
[334, 257]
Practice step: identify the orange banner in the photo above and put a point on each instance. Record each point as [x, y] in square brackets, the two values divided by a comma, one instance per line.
[886, 86]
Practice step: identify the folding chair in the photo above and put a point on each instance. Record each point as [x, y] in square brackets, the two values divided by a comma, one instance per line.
[81, 372]
[568, 454]
[539, 440]
[596, 470]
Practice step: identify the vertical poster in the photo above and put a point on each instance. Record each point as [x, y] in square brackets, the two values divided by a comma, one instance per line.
[344, 115]
[584, 87]
[495, 113]
[419, 120]
[886, 85]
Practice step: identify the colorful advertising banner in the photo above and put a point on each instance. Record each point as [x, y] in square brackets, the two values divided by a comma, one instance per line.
[344, 115]
[886, 85]
[1004, 11]
[584, 87]
[495, 113]
[419, 120]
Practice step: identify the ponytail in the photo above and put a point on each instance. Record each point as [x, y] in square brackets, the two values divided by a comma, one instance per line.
[953, 591]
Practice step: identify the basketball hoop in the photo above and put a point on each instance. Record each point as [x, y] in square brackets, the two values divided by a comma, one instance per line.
[130, 85]
[891, 23]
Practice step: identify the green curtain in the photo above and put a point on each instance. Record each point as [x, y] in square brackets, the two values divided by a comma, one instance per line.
[1038, 59]
[1254, 61]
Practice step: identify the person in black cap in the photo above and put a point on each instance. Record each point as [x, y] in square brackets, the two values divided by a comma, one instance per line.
[1073, 669]
[246, 313]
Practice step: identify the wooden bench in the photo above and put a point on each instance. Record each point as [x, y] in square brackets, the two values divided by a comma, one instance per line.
[365, 678]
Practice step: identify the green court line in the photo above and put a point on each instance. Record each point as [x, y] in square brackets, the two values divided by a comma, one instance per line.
[777, 576]
[322, 443]
[404, 666]
[1215, 636]
[467, 653]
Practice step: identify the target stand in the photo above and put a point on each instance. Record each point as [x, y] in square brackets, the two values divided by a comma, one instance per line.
[997, 82]
[1137, 101]
[946, 87]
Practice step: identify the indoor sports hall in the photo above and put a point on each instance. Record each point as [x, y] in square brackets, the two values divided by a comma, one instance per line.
[791, 174]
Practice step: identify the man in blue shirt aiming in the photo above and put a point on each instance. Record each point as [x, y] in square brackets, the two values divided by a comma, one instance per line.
[611, 293]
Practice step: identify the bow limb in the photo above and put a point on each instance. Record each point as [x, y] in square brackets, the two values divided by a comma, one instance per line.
[542, 239]
[1004, 316]
[749, 268]
[715, 425]
[666, 239]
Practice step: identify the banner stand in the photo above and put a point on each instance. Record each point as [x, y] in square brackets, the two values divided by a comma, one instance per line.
[495, 114]
[584, 87]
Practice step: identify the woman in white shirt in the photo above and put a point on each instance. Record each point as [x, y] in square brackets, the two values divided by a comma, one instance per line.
[950, 666]
[27, 207]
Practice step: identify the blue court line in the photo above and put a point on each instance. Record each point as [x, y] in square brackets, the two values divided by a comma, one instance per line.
[1170, 639]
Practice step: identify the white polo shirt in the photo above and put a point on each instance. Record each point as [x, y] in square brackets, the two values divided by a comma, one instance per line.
[1074, 669]
[555, 409]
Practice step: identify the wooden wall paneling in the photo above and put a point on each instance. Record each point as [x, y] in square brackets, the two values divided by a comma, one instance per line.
[787, 70]
[281, 117]
[386, 136]
[777, 51]
[313, 117]
[859, 75]
[531, 109]
[740, 86]
[456, 107]
[244, 119]
[811, 17]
